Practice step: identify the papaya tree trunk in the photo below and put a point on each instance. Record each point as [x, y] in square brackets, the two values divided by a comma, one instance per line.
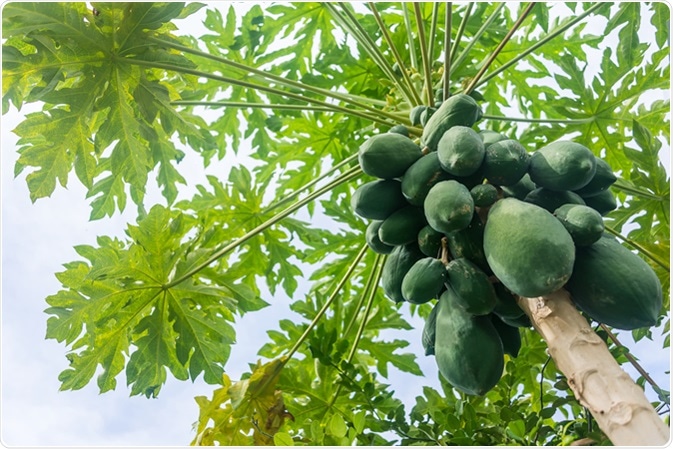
[618, 405]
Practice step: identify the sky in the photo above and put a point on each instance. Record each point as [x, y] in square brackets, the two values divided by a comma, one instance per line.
[36, 240]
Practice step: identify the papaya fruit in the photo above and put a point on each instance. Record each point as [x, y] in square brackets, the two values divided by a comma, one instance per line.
[421, 176]
[402, 226]
[415, 115]
[527, 248]
[468, 349]
[430, 241]
[505, 162]
[469, 243]
[603, 202]
[459, 109]
[388, 155]
[428, 335]
[552, 199]
[520, 189]
[584, 224]
[562, 165]
[509, 335]
[448, 206]
[484, 195]
[424, 280]
[488, 137]
[601, 181]
[426, 114]
[377, 200]
[505, 304]
[399, 129]
[521, 321]
[460, 151]
[373, 240]
[614, 286]
[474, 292]
[399, 261]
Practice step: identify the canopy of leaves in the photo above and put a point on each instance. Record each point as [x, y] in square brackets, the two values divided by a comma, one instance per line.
[300, 86]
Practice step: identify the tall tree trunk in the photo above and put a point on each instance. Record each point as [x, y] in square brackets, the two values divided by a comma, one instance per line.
[618, 405]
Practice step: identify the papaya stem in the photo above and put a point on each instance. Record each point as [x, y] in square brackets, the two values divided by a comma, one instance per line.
[540, 43]
[447, 53]
[267, 224]
[639, 248]
[630, 358]
[378, 268]
[461, 30]
[365, 292]
[410, 36]
[424, 55]
[243, 104]
[433, 32]
[463, 54]
[306, 186]
[323, 309]
[445, 251]
[634, 190]
[270, 76]
[414, 99]
[500, 46]
[538, 120]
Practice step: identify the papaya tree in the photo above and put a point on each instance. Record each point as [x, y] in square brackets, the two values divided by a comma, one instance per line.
[319, 112]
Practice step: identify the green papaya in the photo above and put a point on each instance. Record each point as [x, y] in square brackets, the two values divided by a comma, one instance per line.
[415, 115]
[562, 165]
[373, 240]
[388, 155]
[484, 195]
[614, 286]
[402, 226]
[421, 176]
[424, 280]
[584, 224]
[521, 321]
[377, 200]
[448, 206]
[398, 263]
[601, 181]
[460, 151]
[505, 162]
[603, 202]
[527, 248]
[430, 241]
[426, 114]
[428, 335]
[505, 305]
[469, 243]
[489, 137]
[520, 189]
[509, 335]
[474, 292]
[468, 349]
[459, 109]
[552, 199]
[399, 129]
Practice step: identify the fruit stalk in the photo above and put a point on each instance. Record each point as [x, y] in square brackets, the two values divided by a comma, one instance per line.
[618, 405]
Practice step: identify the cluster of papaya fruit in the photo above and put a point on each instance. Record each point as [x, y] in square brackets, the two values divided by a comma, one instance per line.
[472, 220]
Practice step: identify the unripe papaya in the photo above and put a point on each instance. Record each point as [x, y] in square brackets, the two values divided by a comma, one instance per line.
[562, 165]
[388, 155]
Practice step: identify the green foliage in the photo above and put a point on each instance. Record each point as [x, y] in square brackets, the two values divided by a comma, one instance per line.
[297, 88]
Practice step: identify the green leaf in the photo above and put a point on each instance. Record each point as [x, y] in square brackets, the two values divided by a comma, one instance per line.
[283, 439]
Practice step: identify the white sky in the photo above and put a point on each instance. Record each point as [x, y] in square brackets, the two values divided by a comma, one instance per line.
[36, 240]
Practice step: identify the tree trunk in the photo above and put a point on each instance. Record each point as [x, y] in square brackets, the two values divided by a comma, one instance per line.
[618, 405]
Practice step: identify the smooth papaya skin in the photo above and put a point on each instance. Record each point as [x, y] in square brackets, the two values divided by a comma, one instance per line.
[469, 243]
[527, 248]
[424, 280]
[388, 155]
[505, 162]
[468, 349]
[601, 181]
[615, 286]
[457, 110]
[399, 261]
[509, 335]
[448, 206]
[474, 291]
[428, 335]
[421, 177]
[484, 195]
[584, 224]
[461, 151]
[402, 226]
[377, 200]
[562, 165]
[552, 199]
[373, 240]
[430, 241]
[603, 202]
